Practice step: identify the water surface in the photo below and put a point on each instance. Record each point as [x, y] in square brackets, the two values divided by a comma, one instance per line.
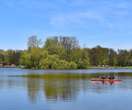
[17, 93]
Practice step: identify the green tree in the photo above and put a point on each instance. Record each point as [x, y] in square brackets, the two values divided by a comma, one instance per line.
[32, 58]
[99, 56]
[1, 56]
[123, 58]
[112, 57]
[62, 46]
[53, 46]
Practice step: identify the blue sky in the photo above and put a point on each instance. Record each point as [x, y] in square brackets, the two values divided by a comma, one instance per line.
[93, 22]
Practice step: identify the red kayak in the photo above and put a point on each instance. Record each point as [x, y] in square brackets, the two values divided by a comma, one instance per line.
[106, 81]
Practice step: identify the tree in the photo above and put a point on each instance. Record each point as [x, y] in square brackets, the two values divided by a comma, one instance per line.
[34, 42]
[63, 52]
[123, 58]
[84, 61]
[1, 56]
[69, 43]
[25, 59]
[32, 58]
[112, 57]
[99, 56]
[62, 46]
[53, 46]
[53, 62]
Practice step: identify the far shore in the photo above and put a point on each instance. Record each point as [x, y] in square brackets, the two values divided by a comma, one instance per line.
[94, 67]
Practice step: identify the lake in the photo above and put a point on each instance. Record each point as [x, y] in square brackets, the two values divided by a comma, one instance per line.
[18, 93]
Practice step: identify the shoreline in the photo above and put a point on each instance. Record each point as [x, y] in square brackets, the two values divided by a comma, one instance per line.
[19, 67]
[127, 67]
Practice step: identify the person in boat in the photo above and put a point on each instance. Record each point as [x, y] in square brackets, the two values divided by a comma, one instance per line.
[112, 77]
[103, 77]
[98, 77]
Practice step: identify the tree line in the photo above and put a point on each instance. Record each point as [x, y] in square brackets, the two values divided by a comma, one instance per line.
[64, 52]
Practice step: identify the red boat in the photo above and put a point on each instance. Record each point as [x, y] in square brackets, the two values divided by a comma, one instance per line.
[111, 81]
[114, 80]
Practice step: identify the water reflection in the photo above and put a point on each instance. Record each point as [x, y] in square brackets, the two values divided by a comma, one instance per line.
[55, 90]
[68, 90]
[33, 88]
[63, 93]
[59, 89]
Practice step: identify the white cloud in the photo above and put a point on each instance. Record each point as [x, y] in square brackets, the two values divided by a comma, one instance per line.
[74, 18]
[106, 13]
